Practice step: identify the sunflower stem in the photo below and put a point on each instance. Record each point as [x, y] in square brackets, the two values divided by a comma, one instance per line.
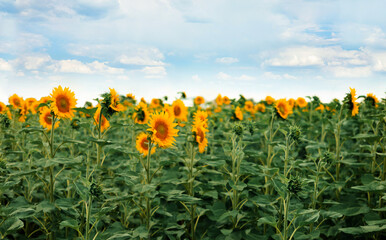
[148, 181]
[268, 161]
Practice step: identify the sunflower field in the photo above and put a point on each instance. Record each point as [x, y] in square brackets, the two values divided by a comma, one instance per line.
[223, 169]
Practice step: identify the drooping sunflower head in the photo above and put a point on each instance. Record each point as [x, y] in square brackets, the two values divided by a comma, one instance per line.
[45, 119]
[238, 114]
[114, 101]
[105, 124]
[16, 101]
[130, 96]
[219, 100]
[301, 102]
[372, 99]
[283, 109]
[162, 129]
[142, 144]
[199, 131]
[351, 102]
[199, 100]
[226, 100]
[63, 100]
[248, 106]
[270, 100]
[180, 111]
[141, 113]
[260, 107]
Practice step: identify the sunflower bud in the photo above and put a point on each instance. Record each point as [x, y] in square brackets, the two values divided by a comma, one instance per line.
[238, 129]
[294, 185]
[295, 133]
[4, 121]
[96, 190]
[75, 124]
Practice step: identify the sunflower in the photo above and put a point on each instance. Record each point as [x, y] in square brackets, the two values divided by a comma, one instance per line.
[63, 100]
[30, 103]
[219, 100]
[45, 119]
[226, 100]
[16, 101]
[260, 107]
[283, 108]
[201, 116]
[248, 106]
[142, 144]
[320, 108]
[270, 100]
[218, 109]
[162, 128]
[3, 107]
[353, 105]
[292, 102]
[169, 109]
[372, 99]
[238, 114]
[141, 114]
[130, 96]
[301, 102]
[155, 103]
[114, 101]
[200, 132]
[180, 111]
[199, 100]
[105, 123]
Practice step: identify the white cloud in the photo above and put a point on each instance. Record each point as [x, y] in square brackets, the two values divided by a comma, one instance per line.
[379, 61]
[223, 76]
[76, 66]
[149, 57]
[353, 72]
[227, 60]
[154, 72]
[272, 76]
[226, 77]
[196, 78]
[5, 66]
[33, 62]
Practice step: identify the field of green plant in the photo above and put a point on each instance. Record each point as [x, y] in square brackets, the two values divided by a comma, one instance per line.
[221, 169]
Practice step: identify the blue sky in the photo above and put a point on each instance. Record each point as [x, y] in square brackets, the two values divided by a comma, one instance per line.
[153, 48]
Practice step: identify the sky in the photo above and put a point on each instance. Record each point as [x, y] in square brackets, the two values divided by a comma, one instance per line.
[156, 48]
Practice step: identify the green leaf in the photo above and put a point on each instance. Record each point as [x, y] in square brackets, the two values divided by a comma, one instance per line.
[89, 111]
[11, 224]
[71, 223]
[362, 229]
[350, 210]
[270, 220]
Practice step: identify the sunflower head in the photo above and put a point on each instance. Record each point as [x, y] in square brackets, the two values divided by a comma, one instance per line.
[162, 129]
[63, 100]
[201, 116]
[45, 118]
[183, 95]
[226, 100]
[260, 107]
[16, 101]
[156, 103]
[372, 99]
[3, 107]
[238, 114]
[320, 108]
[105, 123]
[199, 132]
[219, 100]
[142, 144]
[180, 111]
[199, 100]
[249, 106]
[292, 102]
[301, 102]
[269, 100]
[351, 102]
[283, 109]
[141, 114]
